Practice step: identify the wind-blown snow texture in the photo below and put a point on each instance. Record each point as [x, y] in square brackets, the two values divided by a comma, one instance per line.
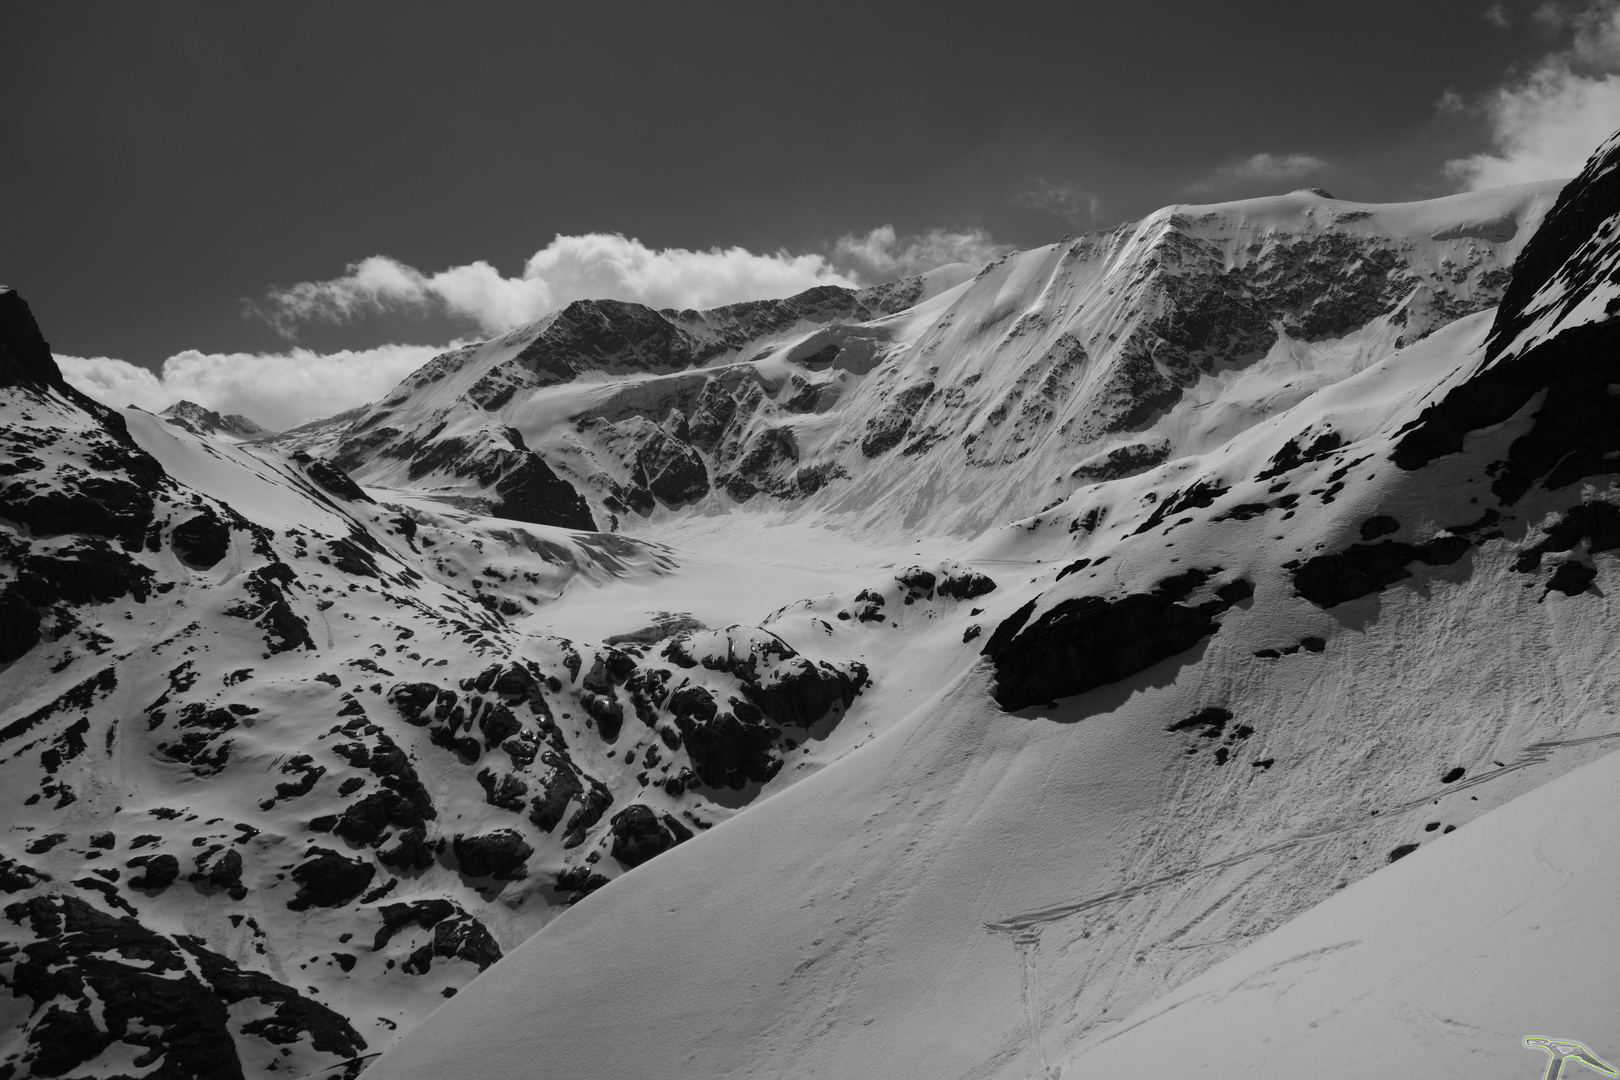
[963, 665]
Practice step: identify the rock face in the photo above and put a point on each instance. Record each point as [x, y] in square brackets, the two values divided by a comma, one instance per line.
[639, 835]
[734, 741]
[1067, 365]
[96, 979]
[25, 357]
[499, 854]
[200, 421]
[1082, 643]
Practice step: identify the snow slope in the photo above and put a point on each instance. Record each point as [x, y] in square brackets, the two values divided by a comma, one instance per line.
[859, 945]
[977, 659]
[1438, 966]
[917, 410]
[1221, 691]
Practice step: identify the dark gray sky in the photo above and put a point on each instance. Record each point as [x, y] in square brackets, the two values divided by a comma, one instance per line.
[166, 161]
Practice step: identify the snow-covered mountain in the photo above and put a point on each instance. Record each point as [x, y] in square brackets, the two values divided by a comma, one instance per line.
[961, 666]
[951, 405]
[200, 421]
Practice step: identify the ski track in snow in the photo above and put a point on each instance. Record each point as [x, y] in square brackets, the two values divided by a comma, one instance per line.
[1535, 754]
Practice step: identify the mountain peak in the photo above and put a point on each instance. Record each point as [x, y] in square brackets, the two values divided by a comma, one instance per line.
[25, 356]
[200, 421]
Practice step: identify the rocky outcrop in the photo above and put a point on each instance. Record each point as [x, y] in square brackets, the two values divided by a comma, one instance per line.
[327, 879]
[1085, 642]
[201, 540]
[96, 979]
[499, 854]
[639, 835]
[1363, 569]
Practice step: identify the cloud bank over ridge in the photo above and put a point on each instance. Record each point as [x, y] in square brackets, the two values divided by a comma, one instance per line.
[284, 389]
[592, 266]
[1545, 123]
[279, 390]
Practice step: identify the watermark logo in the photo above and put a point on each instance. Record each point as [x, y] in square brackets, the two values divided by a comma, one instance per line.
[1562, 1050]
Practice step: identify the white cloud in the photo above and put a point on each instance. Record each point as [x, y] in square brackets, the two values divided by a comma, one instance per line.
[1546, 123]
[284, 389]
[594, 266]
[1262, 168]
[1273, 167]
[279, 390]
[1067, 200]
[1497, 16]
[883, 254]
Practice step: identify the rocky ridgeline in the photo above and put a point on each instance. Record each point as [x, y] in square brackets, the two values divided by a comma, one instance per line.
[325, 750]
[833, 398]
[200, 421]
[495, 464]
[1549, 338]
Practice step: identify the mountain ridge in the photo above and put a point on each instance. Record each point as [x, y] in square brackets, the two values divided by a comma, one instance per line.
[385, 757]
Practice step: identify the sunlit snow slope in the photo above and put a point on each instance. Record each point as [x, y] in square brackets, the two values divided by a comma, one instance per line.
[1211, 696]
[914, 681]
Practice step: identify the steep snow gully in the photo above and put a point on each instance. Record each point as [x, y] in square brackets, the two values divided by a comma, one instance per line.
[1177, 649]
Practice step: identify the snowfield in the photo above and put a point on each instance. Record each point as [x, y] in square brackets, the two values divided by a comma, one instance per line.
[1177, 650]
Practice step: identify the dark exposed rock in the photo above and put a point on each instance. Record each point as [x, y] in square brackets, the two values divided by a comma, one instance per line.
[1121, 461]
[270, 610]
[25, 357]
[96, 979]
[532, 492]
[578, 882]
[1363, 569]
[1380, 525]
[16, 876]
[593, 803]
[1572, 578]
[497, 723]
[1293, 454]
[1574, 431]
[220, 869]
[728, 752]
[412, 701]
[1209, 722]
[966, 585]
[88, 572]
[202, 539]
[505, 791]
[607, 713]
[499, 854]
[1597, 523]
[331, 478]
[157, 871]
[456, 934]
[1199, 494]
[638, 835]
[365, 820]
[672, 471]
[1563, 247]
[917, 580]
[19, 623]
[390, 765]
[327, 879]
[561, 787]
[515, 683]
[885, 430]
[1086, 642]
[410, 852]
